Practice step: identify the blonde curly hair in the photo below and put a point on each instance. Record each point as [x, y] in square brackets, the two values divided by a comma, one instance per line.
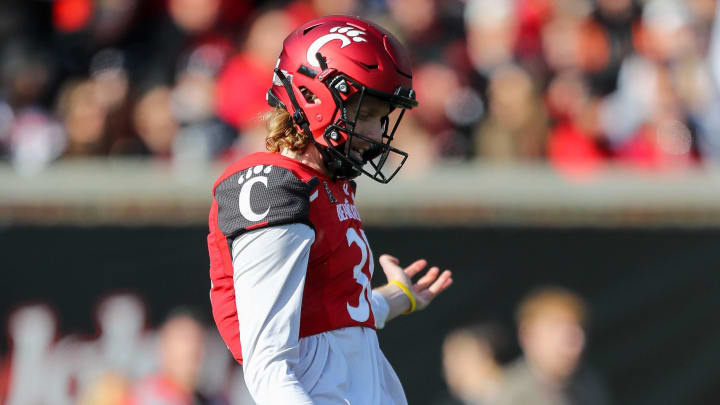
[283, 133]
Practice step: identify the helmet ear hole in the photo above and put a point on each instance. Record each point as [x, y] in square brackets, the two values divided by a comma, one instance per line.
[310, 97]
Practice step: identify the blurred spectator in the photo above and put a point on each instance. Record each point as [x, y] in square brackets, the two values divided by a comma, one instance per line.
[551, 329]
[29, 135]
[82, 27]
[26, 70]
[575, 146]
[244, 81]
[471, 363]
[413, 17]
[531, 16]
[491, 33]
[202, 135]
[241, 86]
[645, 119]
[447, 107]
[428, 28]
[187, 25]
[122, 342]
[562, 43]
[110, 78]
[490, 36]
[112, 20]
[35, 140]
[516, 128]
[154, 121]
[181, 345]
[703, 15]
[609, 31]
[83, 116]
[32, 331]
[317, 8]
[194, 16]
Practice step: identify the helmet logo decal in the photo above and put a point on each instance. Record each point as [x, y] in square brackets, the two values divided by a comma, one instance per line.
[340, 33]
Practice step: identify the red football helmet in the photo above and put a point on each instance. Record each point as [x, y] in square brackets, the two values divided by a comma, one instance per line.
[335, 58]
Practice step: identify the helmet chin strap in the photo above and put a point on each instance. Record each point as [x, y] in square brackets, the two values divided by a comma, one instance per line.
[340, 168]
[299, 115]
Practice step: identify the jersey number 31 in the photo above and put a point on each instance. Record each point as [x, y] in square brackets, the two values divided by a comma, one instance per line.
[361, 312]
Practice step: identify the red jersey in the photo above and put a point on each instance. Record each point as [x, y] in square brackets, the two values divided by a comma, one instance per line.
[267, 189]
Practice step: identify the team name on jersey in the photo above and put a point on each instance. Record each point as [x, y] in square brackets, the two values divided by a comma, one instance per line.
[347, 210]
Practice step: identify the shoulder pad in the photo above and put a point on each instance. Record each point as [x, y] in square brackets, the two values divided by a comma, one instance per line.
[262, 195]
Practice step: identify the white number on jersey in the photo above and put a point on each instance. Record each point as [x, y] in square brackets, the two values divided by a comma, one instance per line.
[361, 312]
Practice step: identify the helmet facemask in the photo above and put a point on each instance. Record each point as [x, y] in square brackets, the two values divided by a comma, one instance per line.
[383, 159]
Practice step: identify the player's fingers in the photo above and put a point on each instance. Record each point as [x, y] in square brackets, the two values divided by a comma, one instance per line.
[386, 260]
[442, 283]
[415, 267]
[427, 279]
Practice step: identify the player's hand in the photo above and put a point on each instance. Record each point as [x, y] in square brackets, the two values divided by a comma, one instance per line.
[426, 288]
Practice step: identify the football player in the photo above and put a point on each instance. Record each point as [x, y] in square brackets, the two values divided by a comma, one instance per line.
[290, 263]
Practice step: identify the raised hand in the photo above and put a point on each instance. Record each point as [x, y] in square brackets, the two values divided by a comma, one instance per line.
[426, 288]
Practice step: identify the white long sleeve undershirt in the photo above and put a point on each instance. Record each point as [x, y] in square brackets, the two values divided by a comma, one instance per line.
[269, 277]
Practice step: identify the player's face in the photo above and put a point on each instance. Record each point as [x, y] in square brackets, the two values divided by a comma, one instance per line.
[368, 124]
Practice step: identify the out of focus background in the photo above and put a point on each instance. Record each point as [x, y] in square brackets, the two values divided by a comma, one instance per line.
[564, 162]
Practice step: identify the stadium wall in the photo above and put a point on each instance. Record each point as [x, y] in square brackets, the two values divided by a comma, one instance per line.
[653, 294]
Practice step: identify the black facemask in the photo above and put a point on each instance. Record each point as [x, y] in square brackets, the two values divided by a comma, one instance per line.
[339, 160]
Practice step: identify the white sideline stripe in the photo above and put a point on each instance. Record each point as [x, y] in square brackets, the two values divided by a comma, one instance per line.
[313, 196]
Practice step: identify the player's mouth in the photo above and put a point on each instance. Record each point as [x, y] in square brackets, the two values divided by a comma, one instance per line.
[357, 154]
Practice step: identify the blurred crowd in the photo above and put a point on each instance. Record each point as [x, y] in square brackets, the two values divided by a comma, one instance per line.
[579, 83]
[551, 331]
[183, 362]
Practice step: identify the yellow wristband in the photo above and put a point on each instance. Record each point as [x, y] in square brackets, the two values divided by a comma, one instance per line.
[407, 292]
